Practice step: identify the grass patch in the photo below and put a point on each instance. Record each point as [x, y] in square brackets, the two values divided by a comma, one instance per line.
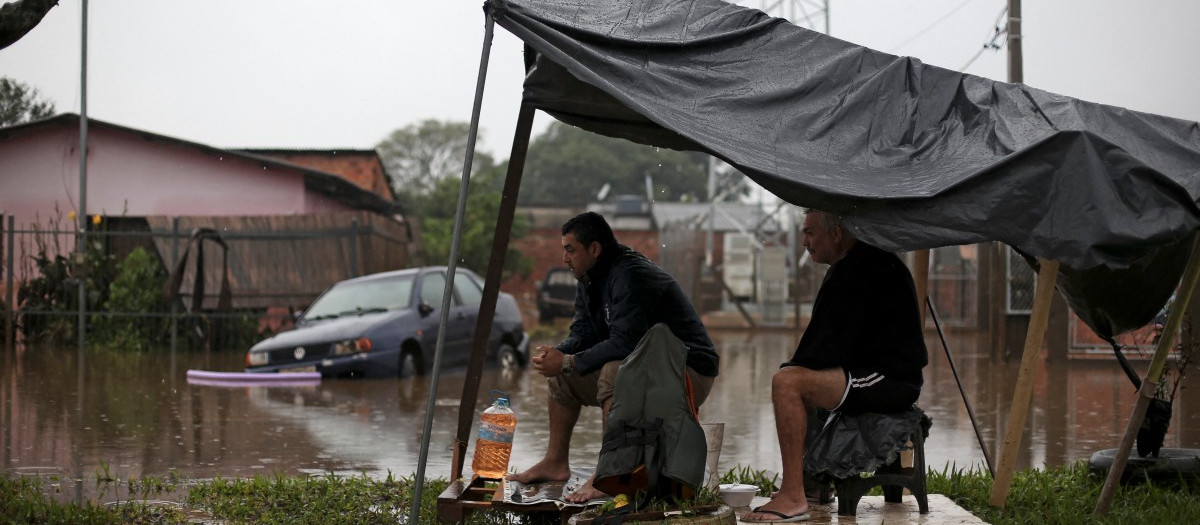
[1063, 495]
[282, 499]
[747, 476]
[1066, 495]
[22, 500]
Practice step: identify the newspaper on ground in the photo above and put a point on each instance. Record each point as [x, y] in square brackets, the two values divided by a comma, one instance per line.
[548, 492]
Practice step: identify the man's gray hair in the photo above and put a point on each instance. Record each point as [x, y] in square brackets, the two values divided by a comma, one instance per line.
[827, 220]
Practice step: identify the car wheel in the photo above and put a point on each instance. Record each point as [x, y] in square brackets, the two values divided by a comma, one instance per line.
[411, 362]
[509, 360]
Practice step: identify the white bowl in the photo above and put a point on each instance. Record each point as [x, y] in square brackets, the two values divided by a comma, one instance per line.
[737, 494]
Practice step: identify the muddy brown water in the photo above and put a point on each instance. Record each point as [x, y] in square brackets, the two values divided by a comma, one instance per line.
[73, 416]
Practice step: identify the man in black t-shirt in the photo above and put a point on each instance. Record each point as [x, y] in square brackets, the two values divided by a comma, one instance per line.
[863, 351]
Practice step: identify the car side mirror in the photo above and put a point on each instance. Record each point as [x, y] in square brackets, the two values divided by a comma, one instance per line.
[424, 309]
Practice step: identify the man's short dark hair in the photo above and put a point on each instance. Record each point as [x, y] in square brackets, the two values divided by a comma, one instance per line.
[590, 227]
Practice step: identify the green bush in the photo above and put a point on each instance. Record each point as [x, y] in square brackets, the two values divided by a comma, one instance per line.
[135, 289]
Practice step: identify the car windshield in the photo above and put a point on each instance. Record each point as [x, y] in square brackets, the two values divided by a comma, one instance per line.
[356, 298]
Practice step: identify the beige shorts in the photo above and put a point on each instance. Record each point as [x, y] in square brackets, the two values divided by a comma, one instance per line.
[574, 390]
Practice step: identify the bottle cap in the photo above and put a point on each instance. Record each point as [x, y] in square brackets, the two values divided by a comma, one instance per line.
[499, 398]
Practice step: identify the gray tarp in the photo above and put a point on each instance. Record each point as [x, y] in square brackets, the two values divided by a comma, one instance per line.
[914, 156]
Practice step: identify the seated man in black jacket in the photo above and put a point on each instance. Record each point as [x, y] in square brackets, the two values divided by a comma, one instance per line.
[620, 295]
[862, 351]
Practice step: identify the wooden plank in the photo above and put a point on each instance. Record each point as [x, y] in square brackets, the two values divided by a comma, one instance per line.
[463, 497]
[1023, 392]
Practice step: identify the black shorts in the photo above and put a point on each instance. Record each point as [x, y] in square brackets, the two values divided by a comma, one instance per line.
[874, 392]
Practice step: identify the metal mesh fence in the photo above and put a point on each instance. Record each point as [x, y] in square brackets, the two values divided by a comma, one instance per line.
[109, 287]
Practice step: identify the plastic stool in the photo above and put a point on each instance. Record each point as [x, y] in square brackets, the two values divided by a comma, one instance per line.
[894, 478]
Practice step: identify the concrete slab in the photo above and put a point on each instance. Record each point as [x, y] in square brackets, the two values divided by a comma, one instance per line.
[873, 510]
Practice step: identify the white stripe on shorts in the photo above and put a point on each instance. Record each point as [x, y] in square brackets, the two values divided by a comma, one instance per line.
[857, 383]
[866, 381]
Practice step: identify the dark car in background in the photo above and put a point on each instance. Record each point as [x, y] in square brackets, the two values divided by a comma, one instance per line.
[556, 295]
[386, 324]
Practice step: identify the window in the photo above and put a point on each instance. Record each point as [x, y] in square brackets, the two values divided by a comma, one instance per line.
[432, 288]
[468, 290]
[1021, 280]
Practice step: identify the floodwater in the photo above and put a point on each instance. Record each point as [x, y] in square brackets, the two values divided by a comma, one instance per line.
[75, 416]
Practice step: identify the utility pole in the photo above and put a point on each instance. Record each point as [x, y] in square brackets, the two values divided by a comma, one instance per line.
[1016, 73]
[81, 216]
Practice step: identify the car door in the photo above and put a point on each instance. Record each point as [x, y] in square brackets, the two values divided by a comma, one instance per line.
[457, 340]
[470, 294]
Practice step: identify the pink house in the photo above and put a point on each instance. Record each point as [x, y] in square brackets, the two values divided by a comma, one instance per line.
[137, 173]
[276, 206]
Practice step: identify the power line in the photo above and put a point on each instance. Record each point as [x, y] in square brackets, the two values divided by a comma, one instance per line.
[997, 32]
[935, 23]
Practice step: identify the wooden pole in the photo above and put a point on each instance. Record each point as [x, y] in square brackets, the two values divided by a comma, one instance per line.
[1174, 319]
[1047, 274]
[921, 281]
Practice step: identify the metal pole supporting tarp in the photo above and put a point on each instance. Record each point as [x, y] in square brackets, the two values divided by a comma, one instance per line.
[987, 457]
[460, 211]
[1144, 394]
[491, 288]
[1023, 391]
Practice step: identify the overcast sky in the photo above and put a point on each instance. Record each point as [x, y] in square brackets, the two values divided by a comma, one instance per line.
[308, 74]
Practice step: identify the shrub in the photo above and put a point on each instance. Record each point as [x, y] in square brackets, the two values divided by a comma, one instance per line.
[135, 289]
[55, 290]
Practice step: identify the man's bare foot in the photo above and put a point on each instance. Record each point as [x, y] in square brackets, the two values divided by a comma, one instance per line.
[542, 471]
[780, 509]
[585, 493]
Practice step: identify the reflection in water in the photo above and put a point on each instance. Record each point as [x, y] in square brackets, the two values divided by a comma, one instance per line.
[137, 414]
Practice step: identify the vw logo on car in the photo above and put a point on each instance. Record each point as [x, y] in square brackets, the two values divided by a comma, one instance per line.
[299, 353]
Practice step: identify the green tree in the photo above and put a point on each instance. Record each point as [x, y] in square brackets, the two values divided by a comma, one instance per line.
[437, 210]
[567, 166]
[20, 102]
[419, 155]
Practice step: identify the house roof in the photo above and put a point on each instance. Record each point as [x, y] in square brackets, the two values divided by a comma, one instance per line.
[324, 182]
[363, 167]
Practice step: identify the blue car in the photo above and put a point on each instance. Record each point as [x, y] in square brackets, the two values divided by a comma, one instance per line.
[386, 325]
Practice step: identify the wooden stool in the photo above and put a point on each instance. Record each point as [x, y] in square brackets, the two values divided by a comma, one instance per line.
[463, 497]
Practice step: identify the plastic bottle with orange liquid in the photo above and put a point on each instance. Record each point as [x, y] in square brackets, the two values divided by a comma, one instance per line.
[494, 444]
